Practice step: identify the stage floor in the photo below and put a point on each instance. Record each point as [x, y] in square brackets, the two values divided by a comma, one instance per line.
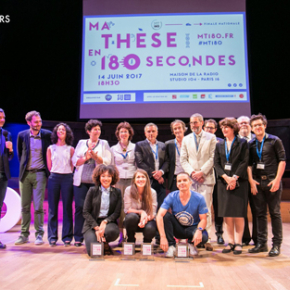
[42, 267]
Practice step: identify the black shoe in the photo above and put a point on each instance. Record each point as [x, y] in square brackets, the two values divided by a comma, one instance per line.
[52, 243]
[220, 240]
[200, 246]
[78, 244]
[237, 252]
[275, 251]
[225, 250]
[107, 249]
[259, 248]
[2, 246]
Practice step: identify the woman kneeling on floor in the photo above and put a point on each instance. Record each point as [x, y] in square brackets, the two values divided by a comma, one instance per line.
[102, 208]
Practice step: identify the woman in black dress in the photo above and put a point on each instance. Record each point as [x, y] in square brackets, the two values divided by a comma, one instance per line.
[102, 208]
[231, 161]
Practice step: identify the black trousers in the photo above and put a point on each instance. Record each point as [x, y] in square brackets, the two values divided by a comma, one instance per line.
[247, 235]
[111, 234]
[173, 229]
[131, 224]
[218, 221]
[263, 199]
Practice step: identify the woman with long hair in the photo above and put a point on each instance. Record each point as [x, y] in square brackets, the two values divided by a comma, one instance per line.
[60, 182]
[140, 204]
[231, 162]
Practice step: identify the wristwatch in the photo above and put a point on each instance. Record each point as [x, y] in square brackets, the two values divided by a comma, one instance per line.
[200, 228]
[235, 177]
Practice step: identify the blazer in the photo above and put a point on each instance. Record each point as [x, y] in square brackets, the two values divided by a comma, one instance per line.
[126, 166]
[201, 160]
[23, 149]
[92, 204]
[103, 150]
[144, 157]
[6, 154]
[171, 157]
[239, 159]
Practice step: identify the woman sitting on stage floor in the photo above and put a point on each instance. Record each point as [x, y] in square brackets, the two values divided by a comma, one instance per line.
[102, 208]
[140, 204]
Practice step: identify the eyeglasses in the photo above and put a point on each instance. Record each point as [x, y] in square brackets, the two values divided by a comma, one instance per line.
[194, 123]
[209, 128]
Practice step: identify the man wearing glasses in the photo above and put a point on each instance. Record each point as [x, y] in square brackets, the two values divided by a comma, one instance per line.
[267, 162]
[197, 160]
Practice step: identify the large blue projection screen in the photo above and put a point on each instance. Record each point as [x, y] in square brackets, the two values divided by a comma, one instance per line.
[164, 65]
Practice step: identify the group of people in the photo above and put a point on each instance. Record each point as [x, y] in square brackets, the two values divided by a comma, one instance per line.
[124, 187]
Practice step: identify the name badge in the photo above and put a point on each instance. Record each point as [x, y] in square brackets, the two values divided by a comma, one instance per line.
[228, 166]
[260, 165]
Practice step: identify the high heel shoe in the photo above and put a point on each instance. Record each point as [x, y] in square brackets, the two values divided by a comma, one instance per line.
[232, 248]
[238, 252]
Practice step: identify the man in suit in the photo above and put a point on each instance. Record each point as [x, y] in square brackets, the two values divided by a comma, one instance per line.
[210, 126]
[245, 133]
[150, 156]
[197, 159]
[6, 154]
[31, 149]
[173, 148]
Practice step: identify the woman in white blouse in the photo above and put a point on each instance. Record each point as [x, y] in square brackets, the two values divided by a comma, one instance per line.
[88, 154]
[140, 204]
[60, 166]
[124, 159]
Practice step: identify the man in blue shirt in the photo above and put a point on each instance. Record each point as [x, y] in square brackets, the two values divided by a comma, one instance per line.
[188, 218]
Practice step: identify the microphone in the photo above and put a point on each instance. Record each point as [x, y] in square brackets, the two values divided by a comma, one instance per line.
[5, 134]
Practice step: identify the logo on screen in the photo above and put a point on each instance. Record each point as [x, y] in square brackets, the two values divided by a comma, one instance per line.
[194, 96]
[174, 96]
[156, 25]
[127, 97]
[202, 96]
[241, 96]
[108, 97]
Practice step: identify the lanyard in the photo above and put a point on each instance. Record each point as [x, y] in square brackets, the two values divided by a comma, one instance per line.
[155, 153]
[261, 148]
[176, 147]
[195, 139]
[228, 153]
[125, 156]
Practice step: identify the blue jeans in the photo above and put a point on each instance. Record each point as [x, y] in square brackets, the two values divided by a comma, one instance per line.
[80, 193]
[60, 183]
[173, 229]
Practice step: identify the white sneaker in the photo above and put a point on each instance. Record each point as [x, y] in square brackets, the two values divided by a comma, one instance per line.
[192, 250]
[39, 240]
[170, 252]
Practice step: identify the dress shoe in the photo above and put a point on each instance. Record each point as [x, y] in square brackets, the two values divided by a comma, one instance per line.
[237, 252]
[78, 244]
[107, 249]
[225, 250]
[208, 246]
[220, 240]
[259, 248]
[275, 251]
[2, 246]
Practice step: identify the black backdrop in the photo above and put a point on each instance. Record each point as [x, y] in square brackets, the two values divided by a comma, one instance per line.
[40, 60]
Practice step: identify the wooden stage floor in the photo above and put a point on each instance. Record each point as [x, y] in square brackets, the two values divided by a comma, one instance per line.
[30, 267]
